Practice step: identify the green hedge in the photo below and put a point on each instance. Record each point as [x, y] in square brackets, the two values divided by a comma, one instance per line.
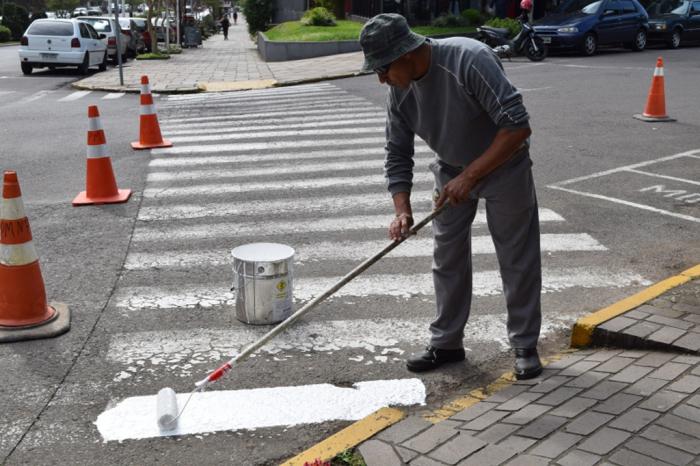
[318, 16]
[511, 24]
[5, 34]
[473, 17]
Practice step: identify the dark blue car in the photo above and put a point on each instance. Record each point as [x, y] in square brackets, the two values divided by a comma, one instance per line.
[673, 21]
[585, 25]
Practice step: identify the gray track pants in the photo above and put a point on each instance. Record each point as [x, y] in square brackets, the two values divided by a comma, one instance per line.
[511, 213]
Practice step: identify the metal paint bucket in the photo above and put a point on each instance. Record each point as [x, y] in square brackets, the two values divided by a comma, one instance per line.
[263, 282]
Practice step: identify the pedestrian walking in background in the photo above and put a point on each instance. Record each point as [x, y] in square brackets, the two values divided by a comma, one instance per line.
[235, 15]
[225, 23]
[454, 94]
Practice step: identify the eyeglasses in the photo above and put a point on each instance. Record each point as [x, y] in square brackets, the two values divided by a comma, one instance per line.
[383, 69]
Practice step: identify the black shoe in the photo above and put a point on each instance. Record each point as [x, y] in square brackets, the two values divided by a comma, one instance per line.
[527, 363]
[432, 358]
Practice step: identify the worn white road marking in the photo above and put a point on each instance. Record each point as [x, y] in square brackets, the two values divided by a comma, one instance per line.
[135, 418]
[113, 95]
[277, 185]
[379, 202]
[189, 160]
[487, 283]
[271, 123]
[666, 177]
[271, 171]
[36, 96]
[277, 104]
[216, 128]
[263, 100]
[262, 92]
[4, 93]
[349, 250]
[379, 129]
[323, 110]
[74, 96]
[269, 146]
[335, 223]
[183, 352]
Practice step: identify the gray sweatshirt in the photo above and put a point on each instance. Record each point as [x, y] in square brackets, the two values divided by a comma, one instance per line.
[456, 108]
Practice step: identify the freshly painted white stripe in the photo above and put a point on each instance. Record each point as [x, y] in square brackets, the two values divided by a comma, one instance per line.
[628, 203]
[341, 106]
[94, 124]
[188, 161]
[260, 127]
[74, 96]
[666, 177]
[298, 169]
[271, 123]
[276, 103]
[213, 411]
[144, 352]
[348, 250]
[690, 153]
[267, 146]
[278, 108]
[280, 134]
[277, 185]
[36, 96]
[113, 95]
[18, 254]
[487, 283]
[12, 209]
[307, 205]
[237, 99]
[96, 152]
[232, 230]
[148, 109]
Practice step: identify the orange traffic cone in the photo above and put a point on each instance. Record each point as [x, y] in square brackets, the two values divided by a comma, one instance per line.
[101, 187]
[24, 313]
[149, 134]
[656, 102]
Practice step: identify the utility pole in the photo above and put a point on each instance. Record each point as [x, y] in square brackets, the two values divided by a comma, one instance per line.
[117, 35]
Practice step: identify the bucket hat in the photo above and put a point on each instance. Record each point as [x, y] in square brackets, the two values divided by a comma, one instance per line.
[385, 38]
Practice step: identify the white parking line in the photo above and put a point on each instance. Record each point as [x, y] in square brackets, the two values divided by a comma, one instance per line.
[74, 96]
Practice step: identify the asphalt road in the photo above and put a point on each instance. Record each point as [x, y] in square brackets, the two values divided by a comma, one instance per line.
[147, 281]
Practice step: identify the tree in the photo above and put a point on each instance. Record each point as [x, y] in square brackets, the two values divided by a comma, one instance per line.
[15, 18]
[258, 13]
[62, 8]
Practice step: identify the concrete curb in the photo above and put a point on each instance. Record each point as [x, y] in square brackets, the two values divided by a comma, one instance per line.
[134, 90]
[582, 333]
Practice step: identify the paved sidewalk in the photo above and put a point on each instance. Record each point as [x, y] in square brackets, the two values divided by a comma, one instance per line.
[220, 65]
[610, 405]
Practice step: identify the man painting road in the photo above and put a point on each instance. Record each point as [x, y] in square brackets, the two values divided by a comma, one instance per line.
[454, 94]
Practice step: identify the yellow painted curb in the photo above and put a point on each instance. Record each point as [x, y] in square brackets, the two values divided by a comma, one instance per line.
[582, 333]
[223, 86]
[349, 437]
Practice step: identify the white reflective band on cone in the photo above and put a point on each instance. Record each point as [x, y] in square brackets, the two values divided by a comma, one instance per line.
[94, 124]
[18, 254]
[658, 71]
[148, 109]
[145, 88]
[96, 152]
[12, 209]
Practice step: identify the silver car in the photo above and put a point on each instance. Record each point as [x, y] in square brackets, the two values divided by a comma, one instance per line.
[107, 27]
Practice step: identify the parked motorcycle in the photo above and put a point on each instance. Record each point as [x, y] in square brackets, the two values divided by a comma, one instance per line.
[526, 42]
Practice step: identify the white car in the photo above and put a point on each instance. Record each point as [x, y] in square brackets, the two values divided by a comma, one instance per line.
[61, 42]
[107, 26]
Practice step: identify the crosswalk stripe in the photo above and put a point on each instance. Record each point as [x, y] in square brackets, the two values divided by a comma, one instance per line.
[270, 123]
[280, 134]
[269, 146]
[6, 92]
[230, 410]
[349, 250]
[192, 161]
[113, 95]
[36, 96]
[287, 206]
[74, 96]
[280, 108]
[276, 102]
[324, 110]
[325, 122]
[335, 223]
[486, 283]
[183, 349]
[261, 99]
[277, 185]
[273, 91]
[296, 169]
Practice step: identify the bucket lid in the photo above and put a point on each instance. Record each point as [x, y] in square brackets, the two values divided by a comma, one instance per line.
[263, 252]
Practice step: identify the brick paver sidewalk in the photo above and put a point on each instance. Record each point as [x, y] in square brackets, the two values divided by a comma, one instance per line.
[598, 406]
[222, 65]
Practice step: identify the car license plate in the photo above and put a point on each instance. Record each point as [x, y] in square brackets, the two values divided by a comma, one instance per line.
[49, 56]
[546, 40]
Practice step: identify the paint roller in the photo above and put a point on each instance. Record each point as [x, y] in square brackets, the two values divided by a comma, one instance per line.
[166, 401]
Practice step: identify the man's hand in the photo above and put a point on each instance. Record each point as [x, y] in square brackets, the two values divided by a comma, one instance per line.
[456, 190]
[400, 226]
